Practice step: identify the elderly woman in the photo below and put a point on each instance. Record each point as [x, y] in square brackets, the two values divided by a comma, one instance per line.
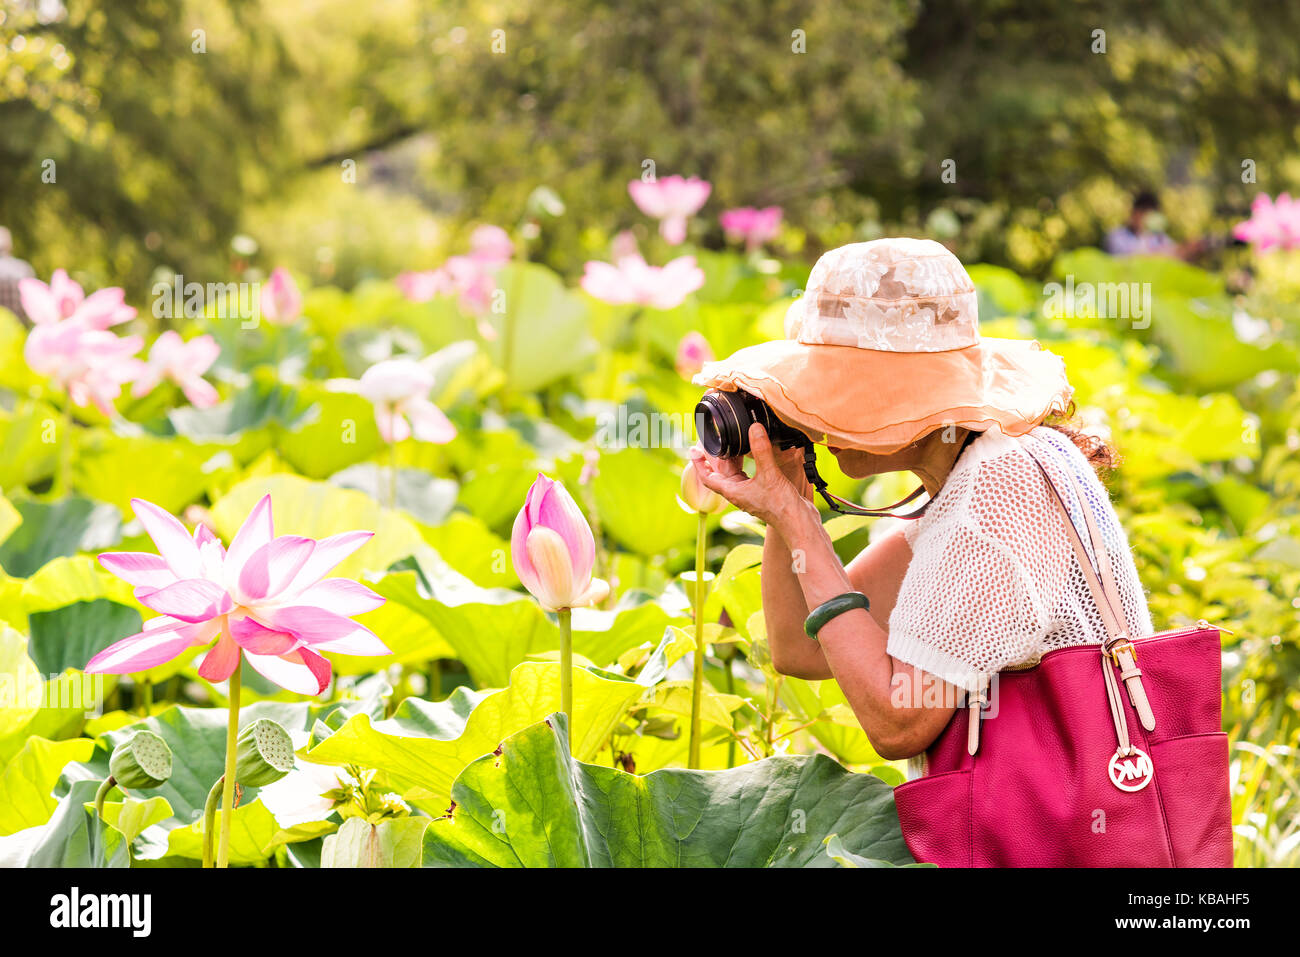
[883, 362]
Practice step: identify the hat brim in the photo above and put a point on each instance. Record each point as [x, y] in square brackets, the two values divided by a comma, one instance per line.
[881, 402]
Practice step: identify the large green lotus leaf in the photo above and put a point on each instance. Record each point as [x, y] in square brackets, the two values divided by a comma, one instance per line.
[405, 631]
[424, 746]
[535, 806]
[132, 816]
[69, 637]
[197, 737]
[473, 549]
[1179, 432]
[491, 630]
[71, 837]
[28, 452]
[317, 510]
[69, 579]
[423, 496]
[108, 468]
[545, 324]
[391, 842]
[495, 493]
[341, 432]
[21, 684]
[252, 832]
[1001, 291]
[834, 725]
[244, 422]
[53, 529]
[27, 784]
[10, 518]
[636, 495]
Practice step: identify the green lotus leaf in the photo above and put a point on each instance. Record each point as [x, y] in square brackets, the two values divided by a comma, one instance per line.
[533, 805]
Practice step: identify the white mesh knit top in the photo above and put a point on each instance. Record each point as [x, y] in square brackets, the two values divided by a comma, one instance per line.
[994, 582]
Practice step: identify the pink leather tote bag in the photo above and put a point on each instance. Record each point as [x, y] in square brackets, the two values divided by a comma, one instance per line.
[1073, 770]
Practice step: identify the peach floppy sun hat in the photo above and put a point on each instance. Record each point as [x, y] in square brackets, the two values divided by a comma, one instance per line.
[884, 347]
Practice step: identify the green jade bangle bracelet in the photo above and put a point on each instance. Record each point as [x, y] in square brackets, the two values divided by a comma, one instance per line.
[831, 608]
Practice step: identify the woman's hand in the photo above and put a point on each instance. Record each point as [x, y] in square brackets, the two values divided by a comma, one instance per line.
[779, 490]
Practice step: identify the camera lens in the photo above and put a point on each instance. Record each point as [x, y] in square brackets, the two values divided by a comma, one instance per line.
[722, 421]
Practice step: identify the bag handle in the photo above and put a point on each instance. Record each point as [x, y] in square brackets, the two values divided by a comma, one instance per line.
[1105, 593]
[1117, 647]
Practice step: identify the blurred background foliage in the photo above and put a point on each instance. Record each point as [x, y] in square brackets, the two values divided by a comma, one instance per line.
[358, 142]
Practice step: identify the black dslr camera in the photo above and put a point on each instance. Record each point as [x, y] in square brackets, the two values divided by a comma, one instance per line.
[722, 421]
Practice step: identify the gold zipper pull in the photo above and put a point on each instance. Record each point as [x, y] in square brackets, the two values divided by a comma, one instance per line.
[1205, 624]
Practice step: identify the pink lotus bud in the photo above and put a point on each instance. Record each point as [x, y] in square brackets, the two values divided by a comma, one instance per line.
[692, 352]
[697, 496]
[553, 550]
[281, 301]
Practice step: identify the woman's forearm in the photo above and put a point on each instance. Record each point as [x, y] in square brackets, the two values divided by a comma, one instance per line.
[852, 644]
[784, 612]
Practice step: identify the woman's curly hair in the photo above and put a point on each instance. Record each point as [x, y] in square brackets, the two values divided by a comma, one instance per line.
[1101, 456]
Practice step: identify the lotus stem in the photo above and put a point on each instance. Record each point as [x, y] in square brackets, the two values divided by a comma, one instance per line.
[102, 794]
[228, 788]
[392, 475]
[63, 469]
[566, 672]
[210, 818]
[697, 676]
[731, 690]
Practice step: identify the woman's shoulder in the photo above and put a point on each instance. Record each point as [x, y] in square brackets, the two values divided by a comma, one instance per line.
[995, 488]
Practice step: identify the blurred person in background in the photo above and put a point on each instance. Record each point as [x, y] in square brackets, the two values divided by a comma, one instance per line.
[12, 269]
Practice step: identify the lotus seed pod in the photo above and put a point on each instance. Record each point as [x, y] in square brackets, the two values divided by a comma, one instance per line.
[142, 762]
[263, 754]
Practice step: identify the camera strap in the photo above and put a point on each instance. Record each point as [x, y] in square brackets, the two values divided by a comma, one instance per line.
[837, 504]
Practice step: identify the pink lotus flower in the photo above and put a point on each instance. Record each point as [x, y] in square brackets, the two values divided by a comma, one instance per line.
[490, 245]
[184, 364]
[1271, 223]
[281, 301]
[399, 389]
[692, 352]
[633, 281]
[264, 597]
[472, 277]
[553, 550]
[754, 226]
[63, 299]
[91, 365]
[672, 200]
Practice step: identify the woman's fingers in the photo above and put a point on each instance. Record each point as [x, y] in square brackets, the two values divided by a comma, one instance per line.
[760, 446]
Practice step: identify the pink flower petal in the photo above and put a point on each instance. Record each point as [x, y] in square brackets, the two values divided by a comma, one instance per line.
[256, 638]
[326, 556]
[161, 640]
[220, 663]
[258, 530]
[428, 424]
[300, 671]
[558, 511]
[139, 568]
[174, 543]
[342, 596]
[192, 600]
[308, 623]
[270, 569]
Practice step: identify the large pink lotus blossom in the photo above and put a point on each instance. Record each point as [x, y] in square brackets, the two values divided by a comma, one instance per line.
[752, 226]
[184, 364]
[692, 352]
[399, 390]
[71, 343]
[1271, 223]
[631, 280]
[264, 597]
[63, 298]
[281, 301]
[471, 277]
[91, 365]
[553, 550]
[672, 200]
